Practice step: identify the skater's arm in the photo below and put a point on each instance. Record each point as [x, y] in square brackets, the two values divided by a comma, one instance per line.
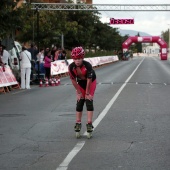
[90, 75]
[76, 86]
[88, 95]
[79, 94]
[89, 81]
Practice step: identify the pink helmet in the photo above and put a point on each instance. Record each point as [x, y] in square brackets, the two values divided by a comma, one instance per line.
[77, 52]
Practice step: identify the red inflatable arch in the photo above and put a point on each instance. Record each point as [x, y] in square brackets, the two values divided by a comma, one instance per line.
[147, 39]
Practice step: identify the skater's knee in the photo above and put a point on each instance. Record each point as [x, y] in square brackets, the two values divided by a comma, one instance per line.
[80, 105]
[89, 105]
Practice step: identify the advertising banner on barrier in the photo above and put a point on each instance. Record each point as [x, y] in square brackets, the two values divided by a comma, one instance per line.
[7, 78]
[61, 66]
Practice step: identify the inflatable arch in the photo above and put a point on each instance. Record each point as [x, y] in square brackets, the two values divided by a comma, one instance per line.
[147, 39]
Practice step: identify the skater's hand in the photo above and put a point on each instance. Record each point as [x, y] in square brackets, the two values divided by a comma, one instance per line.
[79, 96]
[89, 97]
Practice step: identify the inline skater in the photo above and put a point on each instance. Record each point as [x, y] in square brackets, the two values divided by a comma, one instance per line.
[83, 78]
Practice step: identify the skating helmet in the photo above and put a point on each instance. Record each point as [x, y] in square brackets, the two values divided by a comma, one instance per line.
[77, 52]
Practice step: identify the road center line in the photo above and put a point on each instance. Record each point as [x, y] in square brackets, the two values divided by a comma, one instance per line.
[64, 165]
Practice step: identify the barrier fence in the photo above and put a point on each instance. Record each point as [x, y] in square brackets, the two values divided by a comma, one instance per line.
[61, 66]
[7, 78]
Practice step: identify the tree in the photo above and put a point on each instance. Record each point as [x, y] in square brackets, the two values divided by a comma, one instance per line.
[79, 28]
[9, 16]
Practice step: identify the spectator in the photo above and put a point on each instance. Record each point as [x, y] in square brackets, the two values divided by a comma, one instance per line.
[57, 55]
[40, 59]
[60, 55]
[54, 49]
[4, 55]
[25, 58]
[33, 50]
[47, 64]
[1, 63]
[47, 50]
[1, 49]
[63, 55]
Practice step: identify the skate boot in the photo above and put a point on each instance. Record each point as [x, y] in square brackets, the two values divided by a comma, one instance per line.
[89, 130]
[77, 129]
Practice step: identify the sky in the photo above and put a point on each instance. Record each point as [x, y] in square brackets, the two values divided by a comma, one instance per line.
[152, 23]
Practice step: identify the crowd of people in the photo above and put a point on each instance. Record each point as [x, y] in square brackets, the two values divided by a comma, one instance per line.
[41, 60]
[33, 61]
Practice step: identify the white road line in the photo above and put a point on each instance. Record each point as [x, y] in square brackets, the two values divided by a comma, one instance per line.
[64, 165]
[165, 84]
[71, 155]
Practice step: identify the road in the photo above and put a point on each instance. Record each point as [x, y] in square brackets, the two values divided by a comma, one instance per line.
[131, 118]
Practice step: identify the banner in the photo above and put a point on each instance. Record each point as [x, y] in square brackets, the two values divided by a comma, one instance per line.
[61, 66]
[6, 77]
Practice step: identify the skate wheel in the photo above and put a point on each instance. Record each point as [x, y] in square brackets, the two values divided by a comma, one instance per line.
[78, 135]
[89, 135]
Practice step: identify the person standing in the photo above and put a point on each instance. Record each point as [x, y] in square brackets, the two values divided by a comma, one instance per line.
[1, 53]
[25, 61]
[40, 61]
[4, 55]
[64, 56]
[34, 51]
[54, 49]
[83, 78]
[47, 64]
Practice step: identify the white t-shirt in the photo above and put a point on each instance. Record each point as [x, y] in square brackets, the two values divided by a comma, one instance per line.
[25, 57]
[5, 57]
[40, 57]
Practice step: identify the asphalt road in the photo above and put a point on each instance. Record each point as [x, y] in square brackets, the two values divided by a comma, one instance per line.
[132, 122]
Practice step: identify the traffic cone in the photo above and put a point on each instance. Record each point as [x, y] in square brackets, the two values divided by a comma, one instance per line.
[41, 84]
[58, 81]
[52, 83]
[55, 82]
[46, 83]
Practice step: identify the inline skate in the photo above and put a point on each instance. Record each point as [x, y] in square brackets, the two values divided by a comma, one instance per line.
[77, 129]
[89, 130]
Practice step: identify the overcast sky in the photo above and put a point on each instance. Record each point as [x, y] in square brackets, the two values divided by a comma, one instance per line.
[150, 22]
